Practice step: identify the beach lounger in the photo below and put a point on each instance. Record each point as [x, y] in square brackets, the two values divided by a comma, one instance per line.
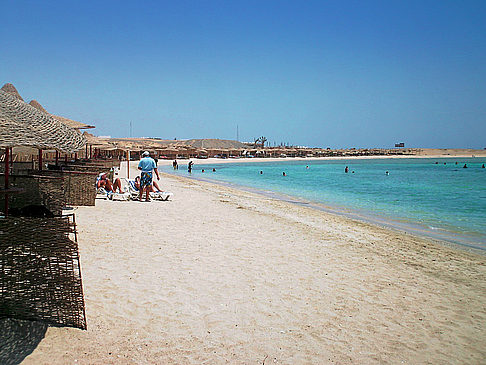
[135, 193]
[102, 193]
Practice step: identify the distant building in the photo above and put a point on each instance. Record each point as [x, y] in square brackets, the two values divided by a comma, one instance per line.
[401, 144]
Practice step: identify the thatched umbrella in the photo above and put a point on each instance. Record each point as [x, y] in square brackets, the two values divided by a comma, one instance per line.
[69, 122]
[9, 88]
[24, 125]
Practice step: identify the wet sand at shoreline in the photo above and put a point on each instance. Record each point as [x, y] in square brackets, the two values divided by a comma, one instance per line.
[219, 276]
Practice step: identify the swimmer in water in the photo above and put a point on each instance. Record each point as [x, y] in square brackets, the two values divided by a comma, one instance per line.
[387, 173]
[284, 174]
[261, 172]
[465, 166]
[346, 169]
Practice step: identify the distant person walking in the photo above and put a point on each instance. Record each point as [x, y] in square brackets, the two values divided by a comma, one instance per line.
[147, 165]
[189, 166]
[175, 165]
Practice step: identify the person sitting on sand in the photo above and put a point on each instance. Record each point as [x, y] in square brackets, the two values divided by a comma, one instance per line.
[147, 165]
[104, 182]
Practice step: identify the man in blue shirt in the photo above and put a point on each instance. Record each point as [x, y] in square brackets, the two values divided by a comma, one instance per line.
[147, 165]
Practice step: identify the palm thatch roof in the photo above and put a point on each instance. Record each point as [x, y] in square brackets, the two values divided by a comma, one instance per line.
[9, 88]
[23, 125]
[73, 123]
[69, 122]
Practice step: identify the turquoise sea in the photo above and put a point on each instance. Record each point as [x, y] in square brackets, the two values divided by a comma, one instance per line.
[432, 197]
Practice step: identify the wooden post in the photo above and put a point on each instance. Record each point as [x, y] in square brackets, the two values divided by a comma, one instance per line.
[91, 151]
[40, 160]
[57, 158]
[7, 171]
[128, 164]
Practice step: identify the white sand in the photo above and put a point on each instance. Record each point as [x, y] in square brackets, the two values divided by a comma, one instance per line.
[221, 276]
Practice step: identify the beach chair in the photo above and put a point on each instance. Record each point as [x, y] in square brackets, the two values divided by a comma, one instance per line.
[102, 193]
[135, 193]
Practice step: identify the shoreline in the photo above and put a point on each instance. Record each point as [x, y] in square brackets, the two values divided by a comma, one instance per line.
[407, 227]
[463, 240]
[212, 160]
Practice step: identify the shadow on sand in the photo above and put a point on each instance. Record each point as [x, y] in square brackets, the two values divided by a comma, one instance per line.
[18, 339]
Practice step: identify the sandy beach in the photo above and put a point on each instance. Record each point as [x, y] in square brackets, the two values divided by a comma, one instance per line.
[218, 276]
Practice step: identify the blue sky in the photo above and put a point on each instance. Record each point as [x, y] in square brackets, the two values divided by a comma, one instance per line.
[315, 73]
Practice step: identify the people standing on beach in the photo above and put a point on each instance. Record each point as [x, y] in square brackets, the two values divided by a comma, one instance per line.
[346, 169]
[175, 165]
[189, 166]
[147, 165]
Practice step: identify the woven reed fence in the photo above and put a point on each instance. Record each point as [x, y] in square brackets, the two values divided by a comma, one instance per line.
[79, 186]
[17, 167]
[38, 190]
[40, 275]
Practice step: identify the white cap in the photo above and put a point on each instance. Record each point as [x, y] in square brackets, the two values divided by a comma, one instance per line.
[146, 153]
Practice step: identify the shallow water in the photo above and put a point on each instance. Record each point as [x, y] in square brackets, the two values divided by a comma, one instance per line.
[441, 199]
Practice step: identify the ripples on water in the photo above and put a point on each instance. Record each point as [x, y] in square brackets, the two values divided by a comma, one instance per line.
[437, 197]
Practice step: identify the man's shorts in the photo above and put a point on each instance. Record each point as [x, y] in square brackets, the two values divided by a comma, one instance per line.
[146, 179]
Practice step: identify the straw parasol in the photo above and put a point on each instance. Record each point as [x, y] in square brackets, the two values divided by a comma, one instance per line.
[24, 125]
[69, 122]
[9, 88]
